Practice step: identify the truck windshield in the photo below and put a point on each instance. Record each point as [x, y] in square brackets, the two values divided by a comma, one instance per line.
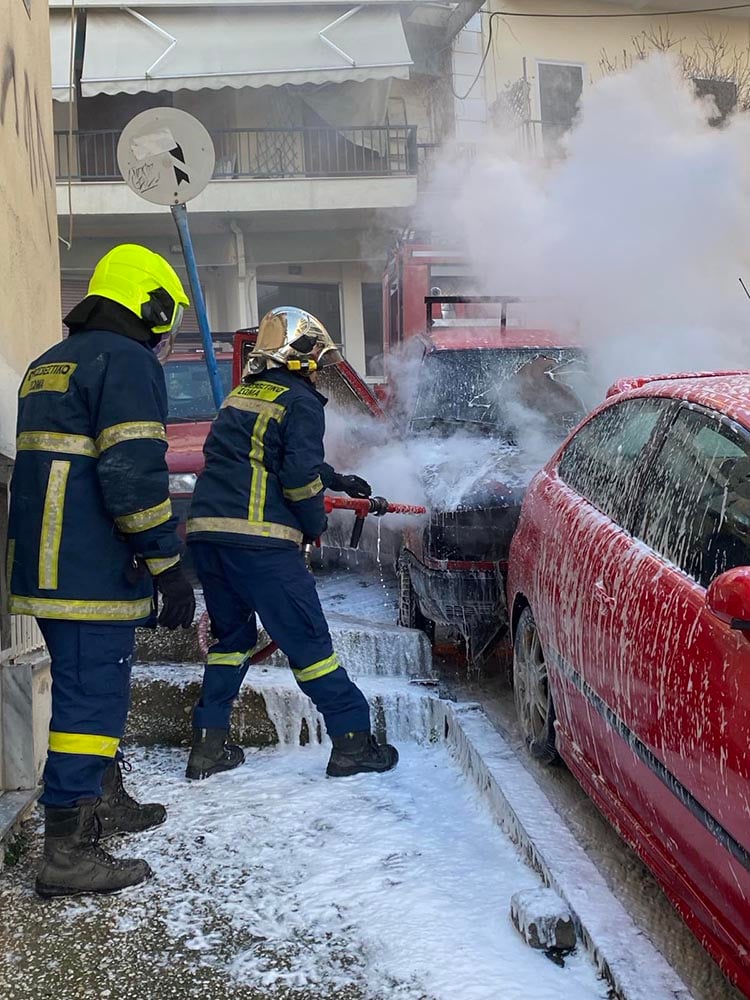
[189, 391]
[495, 391]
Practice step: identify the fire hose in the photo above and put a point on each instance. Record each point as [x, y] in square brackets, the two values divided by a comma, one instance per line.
[377, 506]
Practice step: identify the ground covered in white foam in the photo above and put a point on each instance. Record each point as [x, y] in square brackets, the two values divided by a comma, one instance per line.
[273, 881]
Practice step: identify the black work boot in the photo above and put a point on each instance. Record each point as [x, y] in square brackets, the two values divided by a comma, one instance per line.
[118, 812]
[73, 862]
[211, 754]
[359, 753]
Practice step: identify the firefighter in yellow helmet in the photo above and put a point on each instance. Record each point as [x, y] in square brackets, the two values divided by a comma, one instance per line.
[91, 529]
[258, 499]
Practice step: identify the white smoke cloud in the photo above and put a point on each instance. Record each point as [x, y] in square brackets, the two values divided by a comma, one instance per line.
[640, 233]
[636, 240]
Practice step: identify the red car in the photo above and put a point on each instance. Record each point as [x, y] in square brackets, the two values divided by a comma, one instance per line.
[191, 410]
[629, 589]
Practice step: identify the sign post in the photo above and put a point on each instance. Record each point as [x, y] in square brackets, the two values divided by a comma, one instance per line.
[167, 157]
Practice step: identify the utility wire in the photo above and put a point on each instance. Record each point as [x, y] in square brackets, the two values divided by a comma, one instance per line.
[460, 97]
[614, 14]
[621, 14]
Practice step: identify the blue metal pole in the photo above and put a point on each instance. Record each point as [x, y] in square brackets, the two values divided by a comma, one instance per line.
[179, 213]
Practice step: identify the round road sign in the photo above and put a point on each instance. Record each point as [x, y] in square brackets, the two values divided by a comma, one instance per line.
[166, 156]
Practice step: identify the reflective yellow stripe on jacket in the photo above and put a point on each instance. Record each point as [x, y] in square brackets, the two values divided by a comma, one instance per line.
[142, 520]
[97, 611]
[305, 492]
[237, 526]
[266, 410]
[65, 444]
[134, 430]
[157, 566]
[52, 525]
[80, 444]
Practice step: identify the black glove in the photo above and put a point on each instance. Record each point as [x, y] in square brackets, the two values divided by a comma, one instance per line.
[353, 486]
[178, 599]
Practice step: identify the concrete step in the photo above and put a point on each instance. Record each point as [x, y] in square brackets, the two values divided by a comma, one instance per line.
[365, 648]
[270, 709]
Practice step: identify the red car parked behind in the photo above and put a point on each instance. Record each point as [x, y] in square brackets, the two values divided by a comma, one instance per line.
[629, 586]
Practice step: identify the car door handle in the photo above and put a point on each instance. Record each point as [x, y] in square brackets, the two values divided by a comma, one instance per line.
[602, 594]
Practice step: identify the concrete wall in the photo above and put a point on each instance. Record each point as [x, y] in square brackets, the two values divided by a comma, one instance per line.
[29, 322]
[29, 307]
[585, 41]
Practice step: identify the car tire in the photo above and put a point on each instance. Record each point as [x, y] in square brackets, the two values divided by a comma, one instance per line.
[535, 708]
[409, 613]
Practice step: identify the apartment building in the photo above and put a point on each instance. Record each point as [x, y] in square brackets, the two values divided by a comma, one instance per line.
[321, 115]
[537, 67]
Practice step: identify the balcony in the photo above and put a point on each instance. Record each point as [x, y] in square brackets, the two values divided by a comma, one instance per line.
[261, 154]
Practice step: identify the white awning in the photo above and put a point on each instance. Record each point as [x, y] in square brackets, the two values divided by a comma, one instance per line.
[127, 52]
[59, 40]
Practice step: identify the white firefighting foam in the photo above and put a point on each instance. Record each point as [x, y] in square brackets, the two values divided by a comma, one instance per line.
[274, 880]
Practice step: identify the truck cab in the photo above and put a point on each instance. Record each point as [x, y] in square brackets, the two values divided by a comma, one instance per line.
[489, 396]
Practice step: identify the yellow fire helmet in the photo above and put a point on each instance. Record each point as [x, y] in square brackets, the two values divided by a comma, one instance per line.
[292, 338]
[147, 285]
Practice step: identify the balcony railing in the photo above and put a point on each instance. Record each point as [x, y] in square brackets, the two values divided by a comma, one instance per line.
[374, 151]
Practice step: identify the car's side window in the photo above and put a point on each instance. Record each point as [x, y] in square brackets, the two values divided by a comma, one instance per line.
[696, 513]
[600, 460]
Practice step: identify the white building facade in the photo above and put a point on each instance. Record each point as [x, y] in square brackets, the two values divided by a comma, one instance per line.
[320, 113]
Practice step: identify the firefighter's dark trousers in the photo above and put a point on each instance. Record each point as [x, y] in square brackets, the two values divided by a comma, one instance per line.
[275, 583]
[90, 696]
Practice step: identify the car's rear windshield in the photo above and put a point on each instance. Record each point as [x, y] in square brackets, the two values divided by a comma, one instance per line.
[189, 391]
[492, 390]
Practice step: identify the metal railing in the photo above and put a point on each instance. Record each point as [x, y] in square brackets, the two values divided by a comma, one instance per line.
[25, 638]
[371, 151]
[430, 154]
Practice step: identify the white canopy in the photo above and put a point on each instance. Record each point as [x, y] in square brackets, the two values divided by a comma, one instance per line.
[59, 39]
[192, 49]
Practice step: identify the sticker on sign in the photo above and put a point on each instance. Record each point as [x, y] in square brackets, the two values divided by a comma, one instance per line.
[166, 156]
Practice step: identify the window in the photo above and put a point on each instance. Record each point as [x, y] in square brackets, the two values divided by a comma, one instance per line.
[697, 511]
[724, 93]
[372, 321]
[602, 460]
[320, 300]
[505, 393]
[560, 88]
[189, 390]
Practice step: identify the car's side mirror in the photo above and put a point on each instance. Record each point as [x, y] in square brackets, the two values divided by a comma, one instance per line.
[728, 598]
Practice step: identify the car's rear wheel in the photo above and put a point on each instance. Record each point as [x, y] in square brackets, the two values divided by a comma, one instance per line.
[534, 706]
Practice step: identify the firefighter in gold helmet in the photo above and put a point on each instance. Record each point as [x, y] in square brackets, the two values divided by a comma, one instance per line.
[91, 530]
[259, 498]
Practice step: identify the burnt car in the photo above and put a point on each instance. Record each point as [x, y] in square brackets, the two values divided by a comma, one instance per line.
[491, 405]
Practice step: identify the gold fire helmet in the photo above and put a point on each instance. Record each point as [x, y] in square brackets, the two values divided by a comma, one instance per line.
[292, 338]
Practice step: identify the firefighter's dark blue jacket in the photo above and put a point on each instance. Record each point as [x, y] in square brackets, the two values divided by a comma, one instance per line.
[264, 460]
[90, 488]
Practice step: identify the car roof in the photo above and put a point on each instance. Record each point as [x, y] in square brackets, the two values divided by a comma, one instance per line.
[464, 338]
[726, 392]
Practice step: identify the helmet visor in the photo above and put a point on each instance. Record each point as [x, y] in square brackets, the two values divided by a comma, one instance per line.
[165, 345]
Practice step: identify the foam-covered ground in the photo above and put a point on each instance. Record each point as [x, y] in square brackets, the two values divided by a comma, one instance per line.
[274, 882]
